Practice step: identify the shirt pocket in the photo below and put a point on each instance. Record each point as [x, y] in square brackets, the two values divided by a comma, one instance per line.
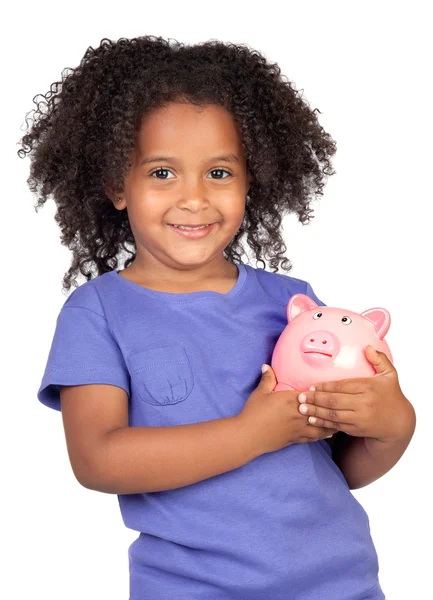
[162, 375]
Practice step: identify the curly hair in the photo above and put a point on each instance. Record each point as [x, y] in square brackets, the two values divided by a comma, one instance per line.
[83, 133]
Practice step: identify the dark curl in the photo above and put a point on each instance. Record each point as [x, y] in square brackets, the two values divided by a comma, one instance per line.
[83, 133]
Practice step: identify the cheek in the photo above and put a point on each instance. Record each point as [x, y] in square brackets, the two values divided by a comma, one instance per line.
[234, 210]
[146, 220]
[148, 208]
[240, 217]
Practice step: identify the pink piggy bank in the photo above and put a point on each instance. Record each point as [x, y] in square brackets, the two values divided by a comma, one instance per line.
[322, 343]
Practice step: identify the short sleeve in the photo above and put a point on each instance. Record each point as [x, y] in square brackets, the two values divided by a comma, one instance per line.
[309, 292]
[83, 351]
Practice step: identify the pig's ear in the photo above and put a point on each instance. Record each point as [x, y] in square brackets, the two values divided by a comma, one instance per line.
[299, 303]
[380, 318]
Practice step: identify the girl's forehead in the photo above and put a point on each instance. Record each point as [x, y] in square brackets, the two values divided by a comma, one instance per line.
[182, 126]
[186, 117]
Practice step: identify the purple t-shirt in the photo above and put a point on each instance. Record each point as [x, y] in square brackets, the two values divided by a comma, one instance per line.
[285, 526]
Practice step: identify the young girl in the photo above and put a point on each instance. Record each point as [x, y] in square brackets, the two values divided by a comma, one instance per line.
[173, 154]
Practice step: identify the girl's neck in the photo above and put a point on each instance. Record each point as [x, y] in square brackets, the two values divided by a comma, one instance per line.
[221, 282]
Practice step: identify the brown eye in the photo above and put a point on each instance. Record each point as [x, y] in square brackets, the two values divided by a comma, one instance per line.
[220, 171]
[159, 171]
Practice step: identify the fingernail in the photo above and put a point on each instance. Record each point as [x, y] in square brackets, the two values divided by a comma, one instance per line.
[302, 398]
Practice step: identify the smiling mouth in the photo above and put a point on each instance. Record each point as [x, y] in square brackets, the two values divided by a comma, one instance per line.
[190, 226]
[317, 352]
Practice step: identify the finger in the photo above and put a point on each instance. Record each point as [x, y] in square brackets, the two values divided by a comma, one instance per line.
[313, 432]
[323, 423]
[379, 360]
[354, 385]
[331, 400]
[329, 414]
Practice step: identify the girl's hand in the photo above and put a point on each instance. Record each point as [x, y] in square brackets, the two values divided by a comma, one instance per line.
[372, 407]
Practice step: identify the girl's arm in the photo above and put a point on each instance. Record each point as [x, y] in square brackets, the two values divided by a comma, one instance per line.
[107, 455]
[364, 460]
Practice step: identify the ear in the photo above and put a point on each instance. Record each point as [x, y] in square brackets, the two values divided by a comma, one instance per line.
[298, 304]
[380, 318]
[119, 205]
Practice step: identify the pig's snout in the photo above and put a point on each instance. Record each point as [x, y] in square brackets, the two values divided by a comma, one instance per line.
[319, 346]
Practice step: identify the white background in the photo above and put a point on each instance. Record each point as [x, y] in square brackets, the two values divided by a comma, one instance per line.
[368, 69]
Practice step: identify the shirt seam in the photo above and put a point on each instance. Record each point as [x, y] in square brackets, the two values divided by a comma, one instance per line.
[194, 299]
[272, 297]
[89, 309]
[113, 335]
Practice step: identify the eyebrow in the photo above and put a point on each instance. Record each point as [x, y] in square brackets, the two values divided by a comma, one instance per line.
[226, 158]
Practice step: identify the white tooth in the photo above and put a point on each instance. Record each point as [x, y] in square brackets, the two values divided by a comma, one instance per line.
[190, 228]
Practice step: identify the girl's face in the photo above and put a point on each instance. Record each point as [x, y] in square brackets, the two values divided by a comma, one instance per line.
[176, 178]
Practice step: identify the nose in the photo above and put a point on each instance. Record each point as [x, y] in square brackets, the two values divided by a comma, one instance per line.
[321, 341]
[193, 193]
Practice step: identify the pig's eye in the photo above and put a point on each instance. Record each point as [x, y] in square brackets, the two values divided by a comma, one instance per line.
[317, 315]
[346, 320]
